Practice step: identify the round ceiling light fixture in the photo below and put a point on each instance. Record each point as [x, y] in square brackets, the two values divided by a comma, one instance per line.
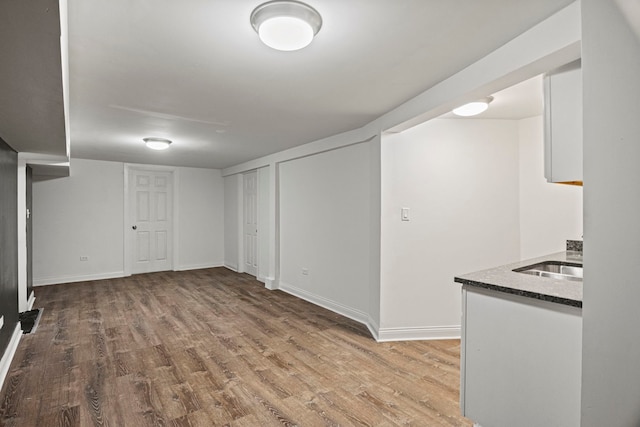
[157, 143]
[286, 24]
[473, 108]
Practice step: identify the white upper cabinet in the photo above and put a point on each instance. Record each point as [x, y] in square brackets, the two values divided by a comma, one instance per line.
[563, 124]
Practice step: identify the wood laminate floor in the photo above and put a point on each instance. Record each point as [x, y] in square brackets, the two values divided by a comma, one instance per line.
[214, 348]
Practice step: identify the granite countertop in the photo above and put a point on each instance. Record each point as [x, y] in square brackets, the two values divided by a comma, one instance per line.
[503, 279]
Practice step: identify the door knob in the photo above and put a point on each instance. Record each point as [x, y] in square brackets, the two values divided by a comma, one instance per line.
[135, 227]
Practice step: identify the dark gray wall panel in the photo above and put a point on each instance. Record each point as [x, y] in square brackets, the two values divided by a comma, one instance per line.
[8, 242]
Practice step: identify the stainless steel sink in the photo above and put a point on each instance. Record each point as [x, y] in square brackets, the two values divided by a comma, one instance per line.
[554, 270]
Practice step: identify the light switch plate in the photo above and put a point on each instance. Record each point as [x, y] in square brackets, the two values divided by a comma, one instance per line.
[404, 214]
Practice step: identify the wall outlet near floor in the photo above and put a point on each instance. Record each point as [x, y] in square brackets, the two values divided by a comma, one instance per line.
[305, 271]
[84, 258]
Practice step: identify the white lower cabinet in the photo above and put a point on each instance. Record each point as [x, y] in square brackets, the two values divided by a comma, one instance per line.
[520, 360]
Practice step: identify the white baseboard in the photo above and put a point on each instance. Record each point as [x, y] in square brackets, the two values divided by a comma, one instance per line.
[31, 301]
[419, 333]
[5, 363]
[44, 281]
[231, 267]
[336, 307]
[269, 282]
[199, 266]
[374, 327]
[379, 334]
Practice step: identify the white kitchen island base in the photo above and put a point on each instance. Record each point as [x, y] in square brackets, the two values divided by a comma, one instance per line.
[520, 360]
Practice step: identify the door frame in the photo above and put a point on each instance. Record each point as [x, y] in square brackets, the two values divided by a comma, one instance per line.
[29, 233]
[128, 237]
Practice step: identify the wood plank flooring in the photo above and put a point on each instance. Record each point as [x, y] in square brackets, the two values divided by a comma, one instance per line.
[215, 348]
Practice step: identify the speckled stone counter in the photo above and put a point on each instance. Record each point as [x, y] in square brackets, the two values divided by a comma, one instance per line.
[503, 279]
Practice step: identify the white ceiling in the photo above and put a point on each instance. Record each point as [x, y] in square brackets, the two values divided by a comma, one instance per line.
[195, 72]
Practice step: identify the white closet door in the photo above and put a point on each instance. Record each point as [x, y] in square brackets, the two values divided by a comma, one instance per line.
[250, 229]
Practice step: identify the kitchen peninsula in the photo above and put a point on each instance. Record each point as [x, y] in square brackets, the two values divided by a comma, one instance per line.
[521, 345]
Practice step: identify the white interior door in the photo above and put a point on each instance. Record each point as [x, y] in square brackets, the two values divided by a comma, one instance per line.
[250, 229]
[151, 222]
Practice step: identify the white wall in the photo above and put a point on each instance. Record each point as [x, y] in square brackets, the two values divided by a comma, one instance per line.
[264, 220]
[200, 218]
[375, 233]
[82, 215]
[549, 213]
[324, 227]
[611, 128]
[232, 221]
[478, 199]
[460, 180]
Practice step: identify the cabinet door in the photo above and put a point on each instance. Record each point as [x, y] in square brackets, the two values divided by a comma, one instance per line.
[563, 124]
[521, 361]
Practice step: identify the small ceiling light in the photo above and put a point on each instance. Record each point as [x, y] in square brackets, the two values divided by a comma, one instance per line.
[286, 24]
[473, 108]
[157, 143]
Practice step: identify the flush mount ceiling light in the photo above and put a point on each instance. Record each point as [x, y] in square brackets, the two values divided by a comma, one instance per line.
[157, 143]
[473, 108]
[286, 24]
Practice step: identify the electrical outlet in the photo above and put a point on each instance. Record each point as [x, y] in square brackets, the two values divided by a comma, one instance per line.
[84, 258]
[305, 271]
